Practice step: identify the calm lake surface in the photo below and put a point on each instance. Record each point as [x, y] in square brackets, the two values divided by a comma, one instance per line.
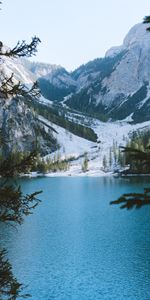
[77, 247]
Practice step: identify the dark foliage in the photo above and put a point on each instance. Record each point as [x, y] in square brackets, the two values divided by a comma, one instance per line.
[52, 92]
[147, 20]
[10, 288]
[15, 205]
[9, 167]
[9, 88]
[136, 154]
[22, 49]
[132, 200]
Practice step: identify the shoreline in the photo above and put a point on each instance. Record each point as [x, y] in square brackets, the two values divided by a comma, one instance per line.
[64, 174]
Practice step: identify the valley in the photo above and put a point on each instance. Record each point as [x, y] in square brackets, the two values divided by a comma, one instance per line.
[87, 114]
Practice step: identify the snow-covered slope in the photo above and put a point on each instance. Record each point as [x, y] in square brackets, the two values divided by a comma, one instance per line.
[18, 68]
[109, 134]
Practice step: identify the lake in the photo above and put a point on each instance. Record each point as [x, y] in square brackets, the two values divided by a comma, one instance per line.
[76, 246]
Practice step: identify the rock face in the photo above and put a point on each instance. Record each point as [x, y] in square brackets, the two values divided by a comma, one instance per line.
[21, 131]
[124, 88]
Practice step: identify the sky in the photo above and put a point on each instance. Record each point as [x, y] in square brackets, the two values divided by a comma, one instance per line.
[72, 32]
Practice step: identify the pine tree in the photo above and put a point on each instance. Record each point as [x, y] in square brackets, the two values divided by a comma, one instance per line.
[13, 204]
[121, 158]
[110, 157]
[104, 163]
[85, 164]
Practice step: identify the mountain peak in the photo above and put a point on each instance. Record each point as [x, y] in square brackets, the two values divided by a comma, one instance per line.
[137, 35]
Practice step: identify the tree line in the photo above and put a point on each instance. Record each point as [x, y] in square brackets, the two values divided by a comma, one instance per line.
[55, 116]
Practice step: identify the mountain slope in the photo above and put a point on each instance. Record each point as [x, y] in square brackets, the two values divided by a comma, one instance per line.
[121, 85]
[21, 130]
[113, 87]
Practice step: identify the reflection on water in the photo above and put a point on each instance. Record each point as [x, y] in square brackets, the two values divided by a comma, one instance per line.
[77, 246]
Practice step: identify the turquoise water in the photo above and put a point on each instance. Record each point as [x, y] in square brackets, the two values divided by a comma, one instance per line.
[77, 247]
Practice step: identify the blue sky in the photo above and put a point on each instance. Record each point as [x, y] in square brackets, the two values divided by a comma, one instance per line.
[72, 31]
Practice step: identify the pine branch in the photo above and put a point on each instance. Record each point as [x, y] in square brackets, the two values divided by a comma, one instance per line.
[15, 205]
[136, 154]
[9, 88]
[10, 168]
[21, 49]
[10, 288]
[130, 149]
[132, 200]
[146, 21]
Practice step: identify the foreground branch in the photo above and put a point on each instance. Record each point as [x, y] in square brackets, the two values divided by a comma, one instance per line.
[132, 200]
[10, 288]
[9, 88]
[14, 205]
[21, 49]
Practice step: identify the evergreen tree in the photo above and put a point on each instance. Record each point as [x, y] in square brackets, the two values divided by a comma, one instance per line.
[110, 157]
[121, 158]
[13, 204]
[104, 163]
[10, 288]
[115, 151]
[85, 164]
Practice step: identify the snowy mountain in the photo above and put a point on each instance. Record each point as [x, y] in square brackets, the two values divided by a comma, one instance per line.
[114, 87]
[118, 85]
